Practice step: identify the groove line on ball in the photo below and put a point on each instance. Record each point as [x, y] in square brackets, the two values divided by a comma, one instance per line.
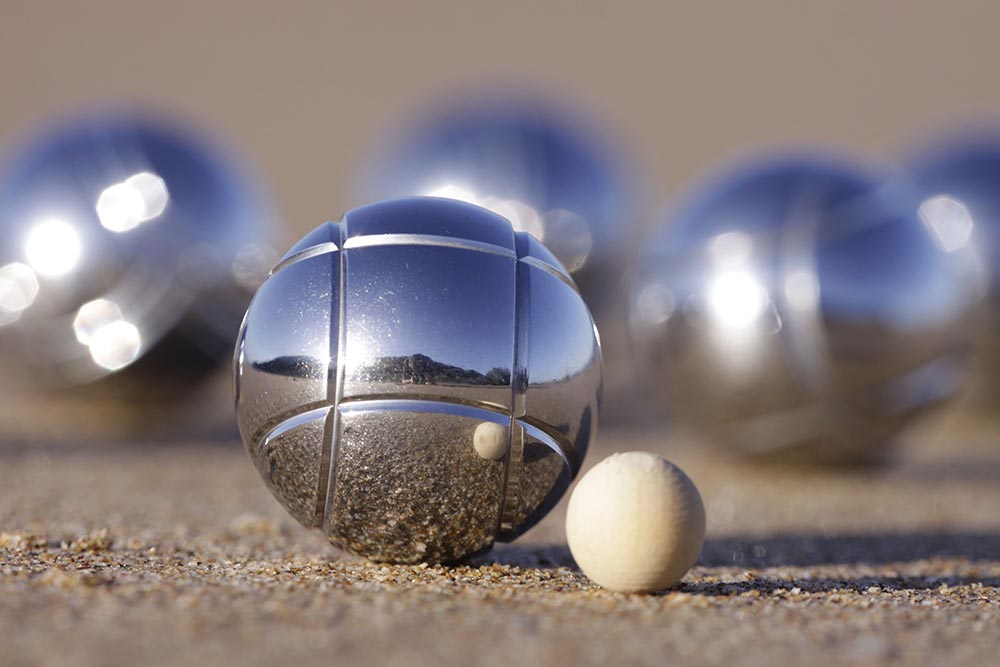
[373, 240]
[559, 445]
[513, 469]
[551, 270]
[335, 387]
[293, 422]
[269, 425]
[314, 251]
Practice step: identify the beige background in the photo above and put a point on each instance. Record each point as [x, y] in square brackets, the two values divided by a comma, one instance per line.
[305, 88]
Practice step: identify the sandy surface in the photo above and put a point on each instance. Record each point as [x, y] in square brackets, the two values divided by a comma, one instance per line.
[178, 555]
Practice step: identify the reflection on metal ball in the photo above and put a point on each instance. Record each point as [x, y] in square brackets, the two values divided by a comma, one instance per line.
[535, 165]
[417, 380]
[794, 309]
[958, 184]
[490, 440]
[130, 248]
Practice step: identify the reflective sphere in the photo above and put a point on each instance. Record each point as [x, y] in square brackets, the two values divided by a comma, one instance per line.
[958, 183]
[417, 380]
[549, 175]
[125, 240]
[794, 309]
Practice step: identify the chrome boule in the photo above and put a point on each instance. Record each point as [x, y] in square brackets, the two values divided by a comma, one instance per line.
[794, 308]
[957, 182]
[542, 167]
[130, 248]
[417, 380]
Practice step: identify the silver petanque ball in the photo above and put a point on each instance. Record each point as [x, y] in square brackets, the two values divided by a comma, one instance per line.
[546, 170]
[958, 183]
[130, 247]
[794, 309]
[418, 380]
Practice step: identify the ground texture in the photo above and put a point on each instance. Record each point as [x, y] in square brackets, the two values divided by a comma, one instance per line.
[157, 554]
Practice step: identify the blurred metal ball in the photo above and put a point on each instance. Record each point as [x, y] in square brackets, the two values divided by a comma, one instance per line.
[958, 187]
[794, 309]
[418, 380]
[130, 248]
[549, 173]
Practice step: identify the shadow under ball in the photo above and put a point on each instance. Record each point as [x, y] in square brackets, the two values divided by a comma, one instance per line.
[418, 380]
[540, 167]
[793, 309]
[958, 183]
[130, 249]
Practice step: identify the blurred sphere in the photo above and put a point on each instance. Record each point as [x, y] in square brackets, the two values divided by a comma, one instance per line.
[540, 167]
[793, 309]
[129, 250]
[958, 183]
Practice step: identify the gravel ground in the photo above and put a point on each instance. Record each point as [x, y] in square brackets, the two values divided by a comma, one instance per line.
[178, 555]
